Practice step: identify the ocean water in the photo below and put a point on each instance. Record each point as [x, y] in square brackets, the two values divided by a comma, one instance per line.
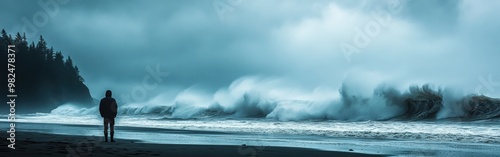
[401, 138]
[421, 118]
[483, 131]
[420, 114]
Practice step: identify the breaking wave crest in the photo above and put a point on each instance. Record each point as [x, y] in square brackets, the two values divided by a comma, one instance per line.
[260, 98]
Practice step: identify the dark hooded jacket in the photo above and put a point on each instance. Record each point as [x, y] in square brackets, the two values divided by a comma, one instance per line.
[108, 107]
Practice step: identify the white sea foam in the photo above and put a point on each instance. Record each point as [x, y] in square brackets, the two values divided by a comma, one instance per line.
[271, 99]
[471, 132]
[267, 106]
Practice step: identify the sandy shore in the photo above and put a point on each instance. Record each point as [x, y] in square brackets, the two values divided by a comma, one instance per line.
[52, 145]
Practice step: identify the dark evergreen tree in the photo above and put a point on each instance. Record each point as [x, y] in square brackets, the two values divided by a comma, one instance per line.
[44, 79]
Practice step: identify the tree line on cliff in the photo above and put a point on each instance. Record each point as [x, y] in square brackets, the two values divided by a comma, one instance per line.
[44, 78]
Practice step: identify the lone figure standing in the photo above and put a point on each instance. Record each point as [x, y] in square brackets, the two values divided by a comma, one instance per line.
[108, 109]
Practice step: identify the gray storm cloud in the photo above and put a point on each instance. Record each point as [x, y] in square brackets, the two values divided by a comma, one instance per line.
[446, 43]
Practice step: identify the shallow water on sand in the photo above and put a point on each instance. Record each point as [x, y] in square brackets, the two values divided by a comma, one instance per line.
[486, 131]
[378, 137]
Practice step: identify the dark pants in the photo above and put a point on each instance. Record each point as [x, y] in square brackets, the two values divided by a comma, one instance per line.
[111, 123]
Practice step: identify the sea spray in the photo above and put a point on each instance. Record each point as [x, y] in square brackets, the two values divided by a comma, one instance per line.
[252, 97]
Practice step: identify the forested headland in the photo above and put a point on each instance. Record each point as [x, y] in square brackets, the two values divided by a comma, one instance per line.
[44, 77]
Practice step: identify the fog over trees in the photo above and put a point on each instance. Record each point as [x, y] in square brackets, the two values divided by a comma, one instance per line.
[45, 78]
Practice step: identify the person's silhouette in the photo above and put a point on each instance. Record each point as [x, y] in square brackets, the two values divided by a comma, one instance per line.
[108, 109]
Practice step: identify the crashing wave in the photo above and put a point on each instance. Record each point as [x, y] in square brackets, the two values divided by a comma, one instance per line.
[250, 99]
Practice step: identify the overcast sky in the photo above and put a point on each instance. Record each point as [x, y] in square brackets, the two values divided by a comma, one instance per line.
[311, 43]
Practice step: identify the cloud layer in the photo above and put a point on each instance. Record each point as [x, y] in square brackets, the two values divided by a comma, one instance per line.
[446, 43]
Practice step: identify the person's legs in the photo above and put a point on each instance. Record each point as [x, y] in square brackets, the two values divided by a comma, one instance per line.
[106, 122]
[112, 126]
